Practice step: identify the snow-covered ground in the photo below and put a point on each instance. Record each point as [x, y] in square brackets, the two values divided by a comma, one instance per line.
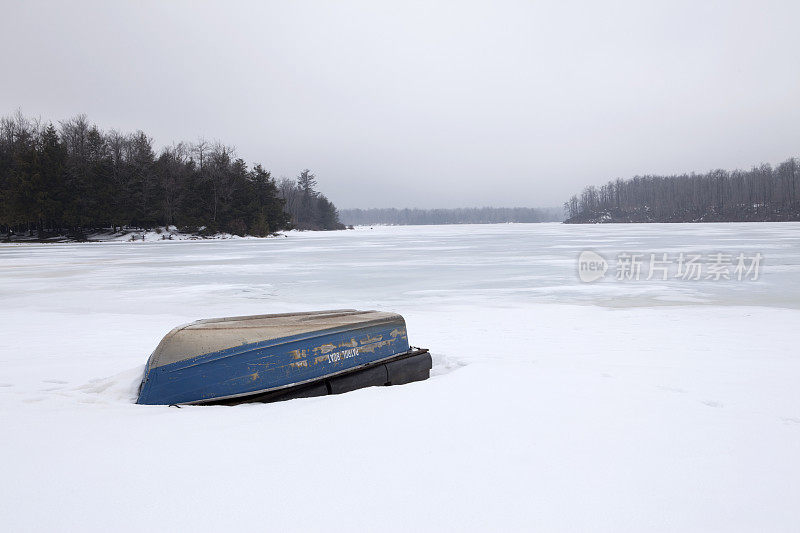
[554, 405]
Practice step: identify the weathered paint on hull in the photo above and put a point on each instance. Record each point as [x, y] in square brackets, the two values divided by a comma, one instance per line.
[411, 366]
[263, 366]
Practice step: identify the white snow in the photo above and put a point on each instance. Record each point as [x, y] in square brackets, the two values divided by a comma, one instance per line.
[164, 233]
[553, 405]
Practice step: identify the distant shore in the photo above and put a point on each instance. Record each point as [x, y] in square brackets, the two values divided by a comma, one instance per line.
[159, 234]
[644, 216]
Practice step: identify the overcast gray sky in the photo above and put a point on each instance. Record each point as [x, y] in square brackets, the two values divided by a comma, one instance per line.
[427, 104]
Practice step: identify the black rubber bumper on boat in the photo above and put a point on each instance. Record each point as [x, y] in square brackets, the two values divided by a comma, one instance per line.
[414, 365]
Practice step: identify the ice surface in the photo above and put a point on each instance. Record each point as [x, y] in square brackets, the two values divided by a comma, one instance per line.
[553, 404]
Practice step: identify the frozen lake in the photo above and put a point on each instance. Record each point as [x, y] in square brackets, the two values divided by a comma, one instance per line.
[617, 405]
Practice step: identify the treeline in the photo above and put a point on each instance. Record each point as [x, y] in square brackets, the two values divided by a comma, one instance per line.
[762, 193]
[464, 215]
[308, 208]
[75, 178]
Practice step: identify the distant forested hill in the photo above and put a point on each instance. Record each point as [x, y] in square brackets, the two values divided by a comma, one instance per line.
[467, 215]
[75, 178]
[760, 194]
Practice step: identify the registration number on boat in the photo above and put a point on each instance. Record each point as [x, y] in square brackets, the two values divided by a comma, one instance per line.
[344, 354]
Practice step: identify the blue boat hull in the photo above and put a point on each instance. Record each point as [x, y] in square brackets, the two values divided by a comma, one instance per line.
[414, 365]
[259, 368]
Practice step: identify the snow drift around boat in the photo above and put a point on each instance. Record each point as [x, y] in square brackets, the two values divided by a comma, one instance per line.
[281, 356]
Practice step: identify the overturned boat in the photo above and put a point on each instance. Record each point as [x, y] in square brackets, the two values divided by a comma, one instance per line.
[266, 358]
